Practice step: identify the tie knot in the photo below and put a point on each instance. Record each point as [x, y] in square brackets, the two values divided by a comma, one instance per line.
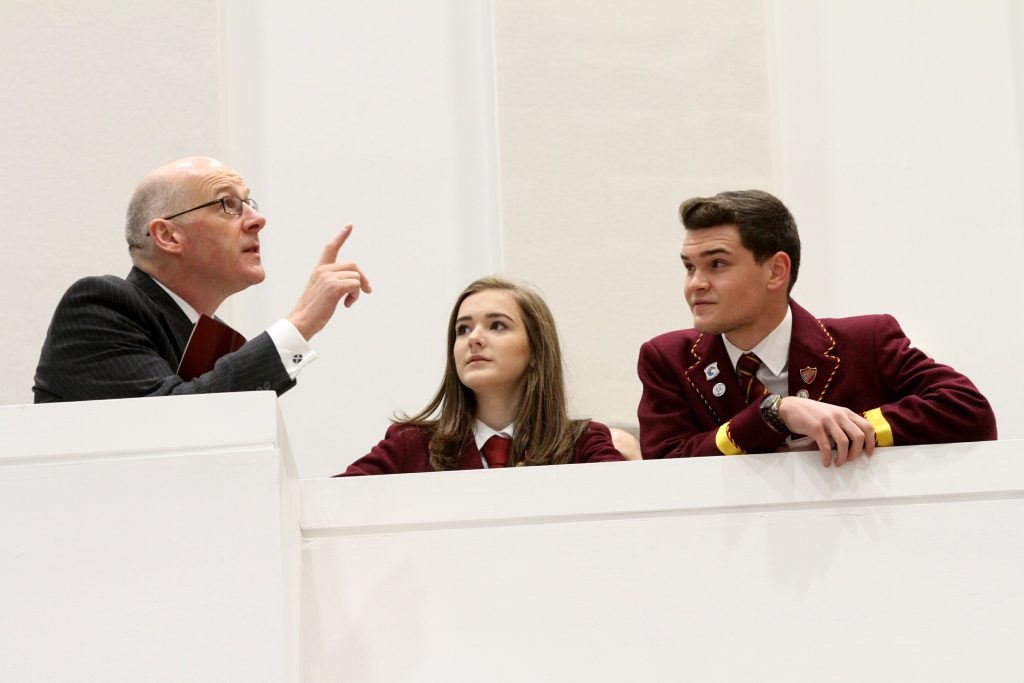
[747, 365]
[496, 451]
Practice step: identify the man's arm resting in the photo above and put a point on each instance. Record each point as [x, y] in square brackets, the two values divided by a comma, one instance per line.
[107, 342]
[669, 427]
[927, 402]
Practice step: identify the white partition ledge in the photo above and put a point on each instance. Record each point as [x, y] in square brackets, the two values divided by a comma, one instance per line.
[91, 430]
[577, 492]
[152, 539]
[905, 567]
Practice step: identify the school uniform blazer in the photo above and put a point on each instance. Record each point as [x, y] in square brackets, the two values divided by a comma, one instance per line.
[123, 338]
[405, 448]
[864, 363]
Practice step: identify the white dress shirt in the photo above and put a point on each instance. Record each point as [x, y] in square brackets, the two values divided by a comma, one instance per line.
[773, 351]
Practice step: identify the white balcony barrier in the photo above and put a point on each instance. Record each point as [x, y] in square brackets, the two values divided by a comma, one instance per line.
[159, 540]
[148, 540]
[905, 567]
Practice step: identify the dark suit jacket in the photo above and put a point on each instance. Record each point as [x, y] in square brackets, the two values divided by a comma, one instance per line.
[405, 449]
[862, 363]
[114, 338]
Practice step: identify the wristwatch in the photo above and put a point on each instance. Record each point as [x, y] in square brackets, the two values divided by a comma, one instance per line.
[770, 413]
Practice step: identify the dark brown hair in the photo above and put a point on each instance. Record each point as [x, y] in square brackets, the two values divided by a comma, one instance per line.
[765, 224]
[544, 434]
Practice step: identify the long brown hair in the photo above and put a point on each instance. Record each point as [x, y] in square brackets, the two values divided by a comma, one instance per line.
[544, 434]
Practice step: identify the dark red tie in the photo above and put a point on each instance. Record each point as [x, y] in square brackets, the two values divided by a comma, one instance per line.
[750, 385]
[496, 451]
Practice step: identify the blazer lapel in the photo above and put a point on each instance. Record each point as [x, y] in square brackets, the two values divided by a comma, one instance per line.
[470, 458]
[711, 375]
[813, 359]
[175, 322]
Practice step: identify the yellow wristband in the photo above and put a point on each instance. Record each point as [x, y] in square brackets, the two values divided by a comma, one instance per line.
[883, 432]
[725, 443]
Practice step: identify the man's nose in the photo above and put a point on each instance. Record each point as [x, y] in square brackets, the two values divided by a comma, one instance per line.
[253, 219]
[695, 282]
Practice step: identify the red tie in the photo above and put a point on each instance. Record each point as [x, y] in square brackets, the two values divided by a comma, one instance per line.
[496, 451]
[750, 385]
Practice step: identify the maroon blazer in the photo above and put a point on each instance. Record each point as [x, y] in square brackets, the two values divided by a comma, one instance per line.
[405, 449]
[862, 363]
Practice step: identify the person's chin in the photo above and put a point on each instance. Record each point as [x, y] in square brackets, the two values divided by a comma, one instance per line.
[475, 379]
[467, 378]
[706, 325]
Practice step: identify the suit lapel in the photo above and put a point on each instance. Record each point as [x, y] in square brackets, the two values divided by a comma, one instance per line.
[175, 322]
[711, 375]
[813, 359]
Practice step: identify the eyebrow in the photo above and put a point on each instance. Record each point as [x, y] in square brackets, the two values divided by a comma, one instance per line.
[228, 188]
[708, 252]
[488, 315]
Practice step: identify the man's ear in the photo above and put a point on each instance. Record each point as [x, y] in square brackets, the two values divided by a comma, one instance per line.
[778, 271]
[165, 235]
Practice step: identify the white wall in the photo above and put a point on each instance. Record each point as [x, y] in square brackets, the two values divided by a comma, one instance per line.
[891, 129]
[898, 148]
[379, 114]
[94, 95]
[553, 141]
[611, 114]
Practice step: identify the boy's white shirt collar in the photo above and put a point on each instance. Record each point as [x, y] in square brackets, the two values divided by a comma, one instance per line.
[773, 350]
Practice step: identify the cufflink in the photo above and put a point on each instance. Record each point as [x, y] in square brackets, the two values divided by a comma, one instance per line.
[297, 358]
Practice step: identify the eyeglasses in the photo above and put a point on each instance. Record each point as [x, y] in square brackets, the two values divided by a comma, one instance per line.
[231, 206]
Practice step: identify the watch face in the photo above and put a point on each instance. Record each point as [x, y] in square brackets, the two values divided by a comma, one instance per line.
[769, 411]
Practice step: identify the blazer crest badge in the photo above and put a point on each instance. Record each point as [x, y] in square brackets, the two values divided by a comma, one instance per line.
[711, 371]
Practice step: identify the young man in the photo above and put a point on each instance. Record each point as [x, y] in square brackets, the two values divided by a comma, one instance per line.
[759, 370]
[193, 236]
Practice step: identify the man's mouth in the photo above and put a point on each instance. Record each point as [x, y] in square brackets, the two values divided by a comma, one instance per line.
[254, 249]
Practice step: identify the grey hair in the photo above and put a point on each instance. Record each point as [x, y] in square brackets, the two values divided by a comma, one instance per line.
[156, 196]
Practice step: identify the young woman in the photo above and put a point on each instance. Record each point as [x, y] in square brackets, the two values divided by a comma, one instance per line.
[502, 400]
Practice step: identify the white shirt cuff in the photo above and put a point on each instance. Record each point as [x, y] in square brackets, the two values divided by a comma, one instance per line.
[295, 352]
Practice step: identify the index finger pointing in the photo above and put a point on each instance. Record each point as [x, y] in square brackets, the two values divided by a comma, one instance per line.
[330, 254]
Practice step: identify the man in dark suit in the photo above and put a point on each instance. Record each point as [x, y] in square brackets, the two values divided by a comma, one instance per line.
[760, 373]
[193, 236]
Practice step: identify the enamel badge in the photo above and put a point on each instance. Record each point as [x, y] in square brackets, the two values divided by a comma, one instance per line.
[711, 371]
[718, 390]
[803, 393]
[808, 375]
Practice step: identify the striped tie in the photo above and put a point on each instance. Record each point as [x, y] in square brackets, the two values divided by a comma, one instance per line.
[750, 385]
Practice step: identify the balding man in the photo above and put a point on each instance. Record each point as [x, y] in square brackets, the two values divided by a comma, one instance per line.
[193, 236]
